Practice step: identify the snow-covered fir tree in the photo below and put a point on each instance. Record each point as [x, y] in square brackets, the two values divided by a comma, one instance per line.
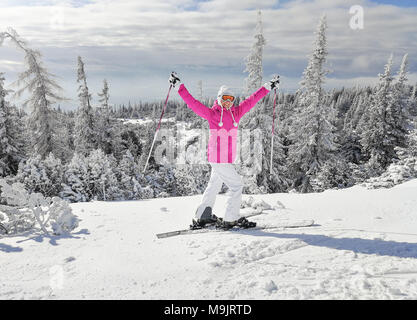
[254, 68]
[108, 131]
[313, 132]
[349, 137]
[85, 134]
[161, 178]
[413, 101]
[253, 61]
[398, 116]
[41, 175]
[104, 125]
[130, 139]
[401, 169]
[411, 138]
[257, 118]
[65, 133]
[383, 125]
[76, 180]
[361, 116]
[102, 176]
[10, 139]
[44, 92]
[129, 176]
[179, 112]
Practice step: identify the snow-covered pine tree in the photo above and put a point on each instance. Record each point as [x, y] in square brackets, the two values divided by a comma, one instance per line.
[403, 133]
[165, 181]
[55, 171]
[377, 137]
[401, 169]
[408, 155]
[313, 131]
[43, 91]
[128, 171]
[413, 101]
[41, 175]
[256, 181]
[154, 112]
[130, 140]
[76, 180]
[108, 131]
[411, 149]
[179, 112]
[351, 149]
[254, 59]
[10, 141]
[355, 112]
[254, 68]
[398, 117]
[102, 173]
[104, 124]
[361, 116]
[85, 139]
[65, 131]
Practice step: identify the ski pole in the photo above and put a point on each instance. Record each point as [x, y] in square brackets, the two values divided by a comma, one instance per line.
[157, 128]
[273, 125]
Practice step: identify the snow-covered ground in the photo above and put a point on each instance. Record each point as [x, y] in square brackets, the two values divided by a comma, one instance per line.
[363, 246]
[144, 121]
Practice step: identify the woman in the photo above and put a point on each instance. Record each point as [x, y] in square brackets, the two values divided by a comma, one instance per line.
[223, 120]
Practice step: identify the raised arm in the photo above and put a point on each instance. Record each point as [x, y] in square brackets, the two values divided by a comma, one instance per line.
[250, 102]
[195, 105]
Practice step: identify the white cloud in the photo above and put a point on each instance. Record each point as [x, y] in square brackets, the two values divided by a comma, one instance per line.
[10, 65]
[231, 6]
[131, 39]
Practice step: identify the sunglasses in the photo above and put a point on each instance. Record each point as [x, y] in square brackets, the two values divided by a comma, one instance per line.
[227, 97]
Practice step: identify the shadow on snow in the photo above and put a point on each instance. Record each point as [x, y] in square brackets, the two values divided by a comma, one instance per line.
[358, 245]
[8, 248]
[54, 238]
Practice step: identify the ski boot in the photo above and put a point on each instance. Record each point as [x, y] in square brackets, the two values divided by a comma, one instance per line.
[240, 223]
[206, 219]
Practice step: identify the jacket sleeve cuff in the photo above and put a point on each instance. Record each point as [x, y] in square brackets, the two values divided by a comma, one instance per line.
[178, 86]
[267, 86]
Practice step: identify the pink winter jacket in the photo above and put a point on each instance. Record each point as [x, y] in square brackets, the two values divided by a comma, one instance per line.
[222, 140]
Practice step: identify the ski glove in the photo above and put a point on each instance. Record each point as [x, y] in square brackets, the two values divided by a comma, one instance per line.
[173, 79]
[272, 84]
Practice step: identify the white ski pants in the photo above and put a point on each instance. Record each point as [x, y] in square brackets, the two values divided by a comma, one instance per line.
[223, 173]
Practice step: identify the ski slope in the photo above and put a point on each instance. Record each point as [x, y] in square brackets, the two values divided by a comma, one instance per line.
[363, 246]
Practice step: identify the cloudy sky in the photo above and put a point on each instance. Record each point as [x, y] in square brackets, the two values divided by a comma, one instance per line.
[136, 44]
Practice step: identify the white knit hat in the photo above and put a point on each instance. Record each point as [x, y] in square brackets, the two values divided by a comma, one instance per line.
[224, 90]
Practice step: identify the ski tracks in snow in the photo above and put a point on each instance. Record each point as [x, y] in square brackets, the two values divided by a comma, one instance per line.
[308, 265]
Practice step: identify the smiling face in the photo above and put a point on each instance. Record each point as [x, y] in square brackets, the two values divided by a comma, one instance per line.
[227, 104]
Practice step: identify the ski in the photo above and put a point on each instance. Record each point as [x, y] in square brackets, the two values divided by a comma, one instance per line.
[281, 225]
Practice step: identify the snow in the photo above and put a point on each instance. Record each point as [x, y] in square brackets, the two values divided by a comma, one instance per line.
[144, 121]
[363, 246]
